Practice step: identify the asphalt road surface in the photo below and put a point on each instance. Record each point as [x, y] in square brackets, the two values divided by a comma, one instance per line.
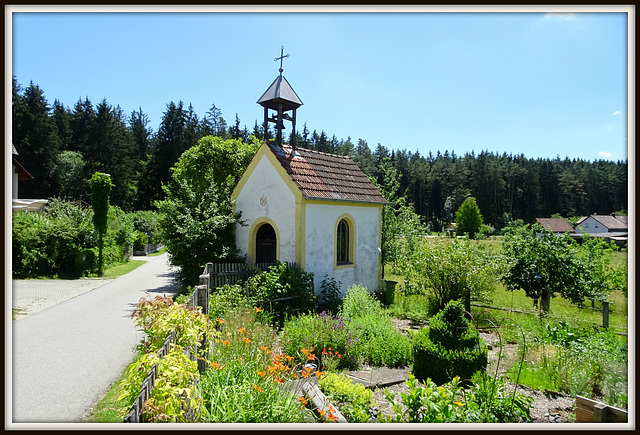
[65, 357]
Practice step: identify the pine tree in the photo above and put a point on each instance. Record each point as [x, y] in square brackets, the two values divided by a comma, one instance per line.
[468, 218]
[35, 137]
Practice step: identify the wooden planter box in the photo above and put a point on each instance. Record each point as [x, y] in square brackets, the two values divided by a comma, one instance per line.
[590, 411]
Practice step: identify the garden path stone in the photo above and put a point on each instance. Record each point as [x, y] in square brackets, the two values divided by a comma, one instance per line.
[65, 357]
[379, 377]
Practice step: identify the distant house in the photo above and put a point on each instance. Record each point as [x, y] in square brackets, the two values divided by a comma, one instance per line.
[19, 173]
[555, 225]
[610, 227]
[597, 224]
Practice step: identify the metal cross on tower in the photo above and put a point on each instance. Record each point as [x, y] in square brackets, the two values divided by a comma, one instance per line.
[280, 58]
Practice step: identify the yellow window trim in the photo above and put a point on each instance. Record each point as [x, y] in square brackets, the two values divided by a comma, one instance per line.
[351, 222]
[252, 237]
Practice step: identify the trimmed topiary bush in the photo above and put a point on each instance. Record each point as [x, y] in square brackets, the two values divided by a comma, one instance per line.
[449, 347]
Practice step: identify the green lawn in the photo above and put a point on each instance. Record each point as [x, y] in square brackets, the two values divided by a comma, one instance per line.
[122, 269]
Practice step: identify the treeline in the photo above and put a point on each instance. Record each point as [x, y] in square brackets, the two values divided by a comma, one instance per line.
[61, 147]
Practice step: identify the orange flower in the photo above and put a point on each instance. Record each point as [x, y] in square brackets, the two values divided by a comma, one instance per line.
[246, 340]
[263, 373]
[272, 369]
[220, 320]
[305, 373]
[279, 380]
[324, 351]
[241, 330]
[289, 358]
[260, 390]
[225, 342]
[258, 310]
[332, 417]
[458, 403]
[303, 400]
[265, 349]
[215, 365]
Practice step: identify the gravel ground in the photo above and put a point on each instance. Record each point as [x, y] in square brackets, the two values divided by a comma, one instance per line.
[547, 408]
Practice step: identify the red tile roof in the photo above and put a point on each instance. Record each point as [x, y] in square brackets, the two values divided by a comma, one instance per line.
[557, 225]
[326, 176]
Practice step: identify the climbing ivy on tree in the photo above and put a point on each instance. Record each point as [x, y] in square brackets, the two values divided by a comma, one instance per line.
[101, 185]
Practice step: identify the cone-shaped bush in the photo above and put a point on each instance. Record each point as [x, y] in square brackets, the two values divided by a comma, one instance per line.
[450, 346]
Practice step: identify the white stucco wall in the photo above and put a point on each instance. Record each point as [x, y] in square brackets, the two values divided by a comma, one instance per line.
[14, 183]
[319, 245]
[591, 226]
[265, 194]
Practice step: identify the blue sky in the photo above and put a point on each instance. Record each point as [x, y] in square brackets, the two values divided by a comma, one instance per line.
[536, 83]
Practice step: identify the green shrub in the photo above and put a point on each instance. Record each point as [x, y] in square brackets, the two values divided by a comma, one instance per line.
[428, 403]
[329, 295]
[381, 343]
[245, 375]
[450, 346]
[353, 400]
[486, 401]
[359, 302]
[282, 281]
[146, 221]
[140, 241]
[53, 243]
[317, 332]
[225, 299]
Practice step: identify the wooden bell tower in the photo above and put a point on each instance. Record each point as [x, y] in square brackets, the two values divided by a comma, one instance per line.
[280, 98]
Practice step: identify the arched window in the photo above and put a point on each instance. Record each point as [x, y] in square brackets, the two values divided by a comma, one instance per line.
[342, 243]
[266, 244]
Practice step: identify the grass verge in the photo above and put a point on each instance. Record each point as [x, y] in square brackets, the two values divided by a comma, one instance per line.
[158, 252]
[109, 409]
[122, 269]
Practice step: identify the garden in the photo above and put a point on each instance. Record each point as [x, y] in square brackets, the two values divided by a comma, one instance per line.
[462, 369]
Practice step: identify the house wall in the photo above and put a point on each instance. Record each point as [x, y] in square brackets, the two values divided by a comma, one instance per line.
[14, 184]
[266, 198]
[320, 236]
[591, 226]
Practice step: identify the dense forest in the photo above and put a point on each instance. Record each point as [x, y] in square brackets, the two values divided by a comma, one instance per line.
[61, 147]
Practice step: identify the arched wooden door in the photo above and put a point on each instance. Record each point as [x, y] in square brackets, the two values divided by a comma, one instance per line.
[266, 244]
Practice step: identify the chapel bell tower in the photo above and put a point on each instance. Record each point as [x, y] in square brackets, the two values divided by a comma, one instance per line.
[280, 98]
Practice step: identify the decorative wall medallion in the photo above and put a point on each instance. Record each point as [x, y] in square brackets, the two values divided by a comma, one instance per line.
[263, 201]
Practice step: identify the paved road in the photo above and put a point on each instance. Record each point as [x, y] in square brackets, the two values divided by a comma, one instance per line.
[65, 357]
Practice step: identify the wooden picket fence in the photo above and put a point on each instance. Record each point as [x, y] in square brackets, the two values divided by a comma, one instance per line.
[213, 276]
[199, 298]
[221, 274]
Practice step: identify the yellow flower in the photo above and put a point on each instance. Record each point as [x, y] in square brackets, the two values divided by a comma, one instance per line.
[458, 403]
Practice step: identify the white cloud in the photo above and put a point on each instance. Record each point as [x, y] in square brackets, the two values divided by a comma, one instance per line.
[617, 112]
[564, 15]
[604, 154]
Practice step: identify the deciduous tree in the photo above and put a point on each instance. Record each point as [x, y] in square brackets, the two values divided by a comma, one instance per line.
[197, 221]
